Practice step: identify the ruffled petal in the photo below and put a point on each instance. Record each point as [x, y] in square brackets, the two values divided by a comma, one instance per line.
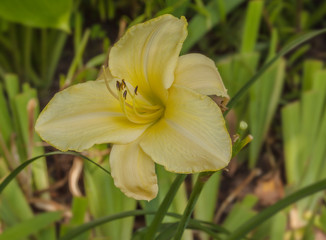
[191, 137]
[133, 171]
[199, 73]
[146, 56]
[83, 115]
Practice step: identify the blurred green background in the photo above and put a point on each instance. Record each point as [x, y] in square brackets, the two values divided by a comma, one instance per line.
[46, 46]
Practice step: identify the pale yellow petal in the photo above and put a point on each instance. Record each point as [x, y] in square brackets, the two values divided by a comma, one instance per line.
[199, 73]
[146, 56]
[83, 115]
[133, 171]
[191, 137]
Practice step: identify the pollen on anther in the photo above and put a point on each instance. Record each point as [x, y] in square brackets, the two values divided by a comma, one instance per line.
[136, 88]
[118, 85]
[123, 84]
[125, 94]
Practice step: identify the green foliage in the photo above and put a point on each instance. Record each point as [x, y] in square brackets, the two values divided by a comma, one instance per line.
[201, 24]
[258, 49]
[304, 129]
[107, 200]
[38, 13]
[30, 226]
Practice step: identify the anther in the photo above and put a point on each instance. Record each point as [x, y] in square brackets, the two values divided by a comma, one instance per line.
[136, 88]
[125, 94]
[123, 84]
[118, 85]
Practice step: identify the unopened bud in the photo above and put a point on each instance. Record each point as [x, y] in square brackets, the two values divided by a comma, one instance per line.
[243, 125]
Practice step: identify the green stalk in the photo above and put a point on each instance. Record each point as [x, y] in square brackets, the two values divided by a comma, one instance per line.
[152, 229]
[201, 180]
[194, 224]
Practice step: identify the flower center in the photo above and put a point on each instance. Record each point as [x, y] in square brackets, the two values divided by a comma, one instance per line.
[135, 107]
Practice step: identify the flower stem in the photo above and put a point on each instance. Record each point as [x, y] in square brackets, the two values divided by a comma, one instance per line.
[201, 180]
[152, 229]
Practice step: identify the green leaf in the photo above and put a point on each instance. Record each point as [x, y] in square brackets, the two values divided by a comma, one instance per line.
[261, 217]
[105, 198]
[5, 119]
[198, 26]
[290, 115]
[194, 224]
[17, 170]
[165, 206]
[264, 98]
[79, 210]
[30, 226]
[14, 206]
[38, 13]
[251, 28]
[240, 213]
[309, 69]
[206, 204]
[296, 42]
[304, 131]
[200, 183]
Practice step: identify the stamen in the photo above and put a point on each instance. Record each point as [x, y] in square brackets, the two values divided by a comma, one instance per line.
[123, 105]
[118, 85]
[107, 84]
[123, 84]
[135, 109]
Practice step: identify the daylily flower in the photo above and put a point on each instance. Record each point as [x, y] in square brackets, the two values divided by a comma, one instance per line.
[150, 104]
